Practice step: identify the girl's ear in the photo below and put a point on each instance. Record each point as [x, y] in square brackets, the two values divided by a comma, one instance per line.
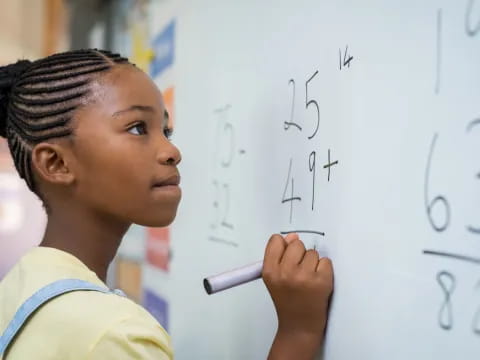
[50, 163]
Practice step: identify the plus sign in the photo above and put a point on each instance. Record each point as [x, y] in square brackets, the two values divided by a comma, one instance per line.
[330, 164]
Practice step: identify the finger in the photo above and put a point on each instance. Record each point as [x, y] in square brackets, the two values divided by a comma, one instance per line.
[293, 254]
[291, 237]
[274, 250]
[325, 267]
[310, 260]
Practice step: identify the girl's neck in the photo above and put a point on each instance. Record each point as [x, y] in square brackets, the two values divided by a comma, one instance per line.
[93, 239]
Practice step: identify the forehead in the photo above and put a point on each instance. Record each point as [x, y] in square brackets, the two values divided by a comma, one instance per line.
[124, 86]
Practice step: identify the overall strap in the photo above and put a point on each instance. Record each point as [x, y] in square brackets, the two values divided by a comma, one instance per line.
[39, 298]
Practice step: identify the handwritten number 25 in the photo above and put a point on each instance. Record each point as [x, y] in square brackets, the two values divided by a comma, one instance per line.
[308, 103]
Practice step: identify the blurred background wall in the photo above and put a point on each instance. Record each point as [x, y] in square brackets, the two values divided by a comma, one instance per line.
[33, 29]
[28, 29]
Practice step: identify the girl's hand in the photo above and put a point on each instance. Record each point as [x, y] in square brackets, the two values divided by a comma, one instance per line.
[300, 284]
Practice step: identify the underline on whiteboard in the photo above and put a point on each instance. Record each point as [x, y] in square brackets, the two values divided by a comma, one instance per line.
[453, 256]
[303, 232]
[223, 241]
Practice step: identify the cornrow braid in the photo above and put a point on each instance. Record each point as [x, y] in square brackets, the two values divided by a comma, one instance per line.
[37, 99]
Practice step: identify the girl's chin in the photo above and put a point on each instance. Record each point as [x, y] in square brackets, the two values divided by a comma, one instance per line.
[159, 221]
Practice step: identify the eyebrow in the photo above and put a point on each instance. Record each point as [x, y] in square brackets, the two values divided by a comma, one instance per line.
[143, 108]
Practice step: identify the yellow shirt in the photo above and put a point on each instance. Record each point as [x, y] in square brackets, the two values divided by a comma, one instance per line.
[80, 324]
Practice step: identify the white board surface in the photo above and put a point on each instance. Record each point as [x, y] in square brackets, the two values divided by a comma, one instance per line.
[400, 211]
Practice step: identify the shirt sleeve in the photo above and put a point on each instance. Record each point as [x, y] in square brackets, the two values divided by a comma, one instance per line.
[133, 339]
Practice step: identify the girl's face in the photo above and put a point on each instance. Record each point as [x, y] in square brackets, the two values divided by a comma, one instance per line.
[124, 164]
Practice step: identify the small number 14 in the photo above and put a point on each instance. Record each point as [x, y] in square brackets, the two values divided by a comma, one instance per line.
[346, 58]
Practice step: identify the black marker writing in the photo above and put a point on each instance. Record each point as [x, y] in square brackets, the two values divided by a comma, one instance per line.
[311, 166]
[346, 58]
[329, 165]
[224, 158]
[225, 222]
[466, 258]
[445, 315]
[438, 200]
[292, 198]
[476, 317]
[309, 102]
[472, 27]
[222, 241]
[439, 51]
[215, 204]
[316, 232]
[287, 124]
[470, 127]
[228, 128]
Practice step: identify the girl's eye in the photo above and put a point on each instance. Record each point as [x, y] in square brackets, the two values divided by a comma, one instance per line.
[168, 133]
[141, 126]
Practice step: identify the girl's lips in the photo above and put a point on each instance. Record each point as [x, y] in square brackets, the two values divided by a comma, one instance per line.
[168, 190]
[173, 180]
[166, 187]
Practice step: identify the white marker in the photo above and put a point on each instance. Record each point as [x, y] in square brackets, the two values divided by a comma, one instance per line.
[233, 278]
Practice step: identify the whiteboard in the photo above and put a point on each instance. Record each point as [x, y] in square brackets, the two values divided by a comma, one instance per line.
[356, 122]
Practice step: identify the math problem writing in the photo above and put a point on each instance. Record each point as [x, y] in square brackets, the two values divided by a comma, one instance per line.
[439, 214]
[310, 126]
[225, 140]
[225, 153]
[440, 211]
[357, 128]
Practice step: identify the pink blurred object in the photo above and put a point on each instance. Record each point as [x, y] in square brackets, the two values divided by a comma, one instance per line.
[22, 219]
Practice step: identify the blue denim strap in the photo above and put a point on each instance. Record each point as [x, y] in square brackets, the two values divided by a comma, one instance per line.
[39, 298]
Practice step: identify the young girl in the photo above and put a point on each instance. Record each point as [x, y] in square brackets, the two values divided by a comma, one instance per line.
[89, 134]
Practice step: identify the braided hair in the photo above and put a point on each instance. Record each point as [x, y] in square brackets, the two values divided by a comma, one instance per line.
[38, 99]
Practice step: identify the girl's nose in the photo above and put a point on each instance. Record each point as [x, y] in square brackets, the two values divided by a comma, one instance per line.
[168, 154]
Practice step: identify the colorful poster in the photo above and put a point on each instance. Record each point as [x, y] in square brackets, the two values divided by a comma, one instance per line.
[158, 248]
[142, 55]
[133, 243]
[168, 98]
[157, 306]
[164, 49]
[129, 278]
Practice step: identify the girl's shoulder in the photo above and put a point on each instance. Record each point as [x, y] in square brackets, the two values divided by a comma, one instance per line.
[91, 325]
[78, 322]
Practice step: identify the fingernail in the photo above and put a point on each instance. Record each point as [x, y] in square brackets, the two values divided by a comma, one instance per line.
[291, 236]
